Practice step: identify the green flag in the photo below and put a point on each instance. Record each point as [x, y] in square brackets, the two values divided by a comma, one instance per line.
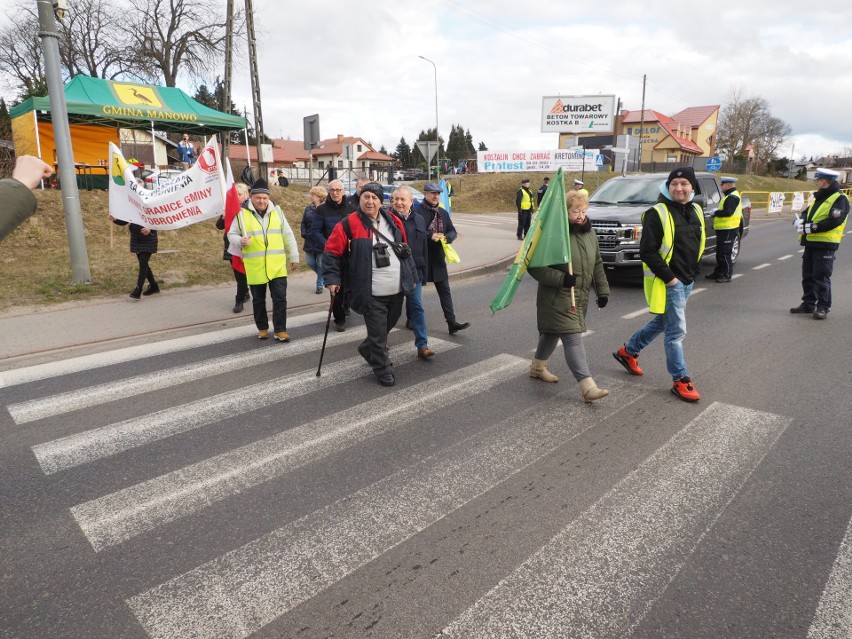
[546, 243]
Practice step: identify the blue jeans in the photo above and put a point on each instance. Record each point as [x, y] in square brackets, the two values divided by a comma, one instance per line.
[314, 261]
[673, 324]
[414, 311]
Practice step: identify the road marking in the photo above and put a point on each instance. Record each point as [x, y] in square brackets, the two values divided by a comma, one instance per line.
[834, 613]
[247, 588]
[601, 575]
[133, 353]
[643, 311]
[760, 266]
[33, 410]
[98, 443]
[733, 277]
[117, 517]
[784, 257]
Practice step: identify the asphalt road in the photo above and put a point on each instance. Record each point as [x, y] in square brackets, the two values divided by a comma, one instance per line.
[226, 491]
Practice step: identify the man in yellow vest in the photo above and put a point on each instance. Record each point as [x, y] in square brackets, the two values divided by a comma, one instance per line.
[524, 204]
[672, 244]
[726, 223]
[820, 230]
[261, 232]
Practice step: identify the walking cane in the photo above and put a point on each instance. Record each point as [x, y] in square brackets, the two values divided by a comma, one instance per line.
[325, 337]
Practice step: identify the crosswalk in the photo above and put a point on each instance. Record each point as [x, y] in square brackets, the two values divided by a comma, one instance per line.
[597, 576]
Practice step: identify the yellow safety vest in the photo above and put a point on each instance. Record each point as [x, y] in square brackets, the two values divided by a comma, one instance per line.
[655, 288]
[264, 257]
[526, 200]
[834, 235]
[733, 221]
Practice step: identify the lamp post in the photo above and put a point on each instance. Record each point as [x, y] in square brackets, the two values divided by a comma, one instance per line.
[437, 139]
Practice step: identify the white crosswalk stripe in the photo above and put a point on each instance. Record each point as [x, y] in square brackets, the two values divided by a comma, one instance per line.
[244, 590]
[601, 575]
[833, 617]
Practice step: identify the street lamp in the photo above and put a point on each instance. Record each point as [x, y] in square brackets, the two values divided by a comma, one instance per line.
[437, 139]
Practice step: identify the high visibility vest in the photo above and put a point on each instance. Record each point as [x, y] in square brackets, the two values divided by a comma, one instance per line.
[834, 235]
[733, 221]
[264, 257]
[526, 200]
[655, 288]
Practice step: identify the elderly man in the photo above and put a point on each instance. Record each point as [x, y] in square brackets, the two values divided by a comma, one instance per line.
[366, 243]
[820, 230]
[672, 244]
[326, 217]
[267, 242]
[418, 240]
[440, 226]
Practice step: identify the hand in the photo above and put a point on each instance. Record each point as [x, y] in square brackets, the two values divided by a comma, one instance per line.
[437, 236]
[294, 266]
[798, 225]
[29, 170]
[145, 230]
[569, 280]
[110, 218]
[333, 288]
[603, 301]
[673, 282]
[244, 240]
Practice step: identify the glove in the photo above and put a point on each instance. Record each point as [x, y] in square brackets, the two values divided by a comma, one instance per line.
[603, 301]
[798, 225]
[808, 228]
[569, 280]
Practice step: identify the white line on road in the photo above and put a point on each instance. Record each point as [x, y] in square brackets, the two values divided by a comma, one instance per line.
[760, 266]
[733, 277]
[114, 518]
[784, 257]
[242, 591]
[33, 410]
[834, 614]
[644, 311]
[601, 574]
[132, 353]
[85, 447]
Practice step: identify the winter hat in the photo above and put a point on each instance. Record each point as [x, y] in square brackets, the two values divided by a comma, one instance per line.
[375, 188]
[686, 172]
[260, 186]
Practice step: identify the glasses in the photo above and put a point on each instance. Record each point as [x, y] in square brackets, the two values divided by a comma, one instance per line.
[335, 190]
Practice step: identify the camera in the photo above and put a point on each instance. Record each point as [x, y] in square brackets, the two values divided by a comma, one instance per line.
[402, 250]
[382, 257]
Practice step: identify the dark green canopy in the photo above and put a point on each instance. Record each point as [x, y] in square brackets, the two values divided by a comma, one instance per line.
[130, 105]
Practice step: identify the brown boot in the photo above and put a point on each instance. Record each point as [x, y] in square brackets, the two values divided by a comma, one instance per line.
[590, 390]
[538, 369]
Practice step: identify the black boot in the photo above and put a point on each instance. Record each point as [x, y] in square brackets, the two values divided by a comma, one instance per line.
[238, 307]
[455, 327]
[136, 293]
[152, 289]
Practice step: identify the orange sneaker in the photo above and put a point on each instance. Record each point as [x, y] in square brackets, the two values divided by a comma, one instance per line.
[262, 334]
[684, 389]
[630, 362]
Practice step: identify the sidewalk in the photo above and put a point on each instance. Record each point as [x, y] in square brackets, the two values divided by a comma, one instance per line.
[486, 243]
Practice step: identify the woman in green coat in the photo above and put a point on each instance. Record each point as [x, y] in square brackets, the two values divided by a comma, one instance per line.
[558, 318]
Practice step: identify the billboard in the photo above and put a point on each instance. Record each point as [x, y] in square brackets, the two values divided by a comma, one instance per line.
[571, 160]
[578, 114]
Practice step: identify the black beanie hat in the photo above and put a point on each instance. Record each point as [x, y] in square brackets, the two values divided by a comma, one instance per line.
[375, 188]
[260, 186]
[686, 172]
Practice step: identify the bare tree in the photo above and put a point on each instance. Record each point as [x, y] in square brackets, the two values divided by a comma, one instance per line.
[178, 36]
[94, 36]
[21, 62]
[748, 121]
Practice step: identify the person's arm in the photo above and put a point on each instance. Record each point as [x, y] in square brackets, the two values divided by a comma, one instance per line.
[291, 247]
[729, 207]
[518, 198]
[450, 233]
[836, 217]
[649, 246]
[332, 258]
[19, 203]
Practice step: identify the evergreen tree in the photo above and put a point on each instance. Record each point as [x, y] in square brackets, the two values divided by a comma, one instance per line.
[427, 135]
[468, 140]
[482, 147]
[206, 98]
[383, 150]
[403, 153]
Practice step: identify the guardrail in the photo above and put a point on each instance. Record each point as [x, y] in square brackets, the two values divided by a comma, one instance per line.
[774, 202]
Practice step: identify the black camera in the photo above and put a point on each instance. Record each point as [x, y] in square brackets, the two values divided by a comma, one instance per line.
[382, 257]
[402, 250]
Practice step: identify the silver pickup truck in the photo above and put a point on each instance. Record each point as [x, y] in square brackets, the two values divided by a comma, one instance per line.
[616, 208]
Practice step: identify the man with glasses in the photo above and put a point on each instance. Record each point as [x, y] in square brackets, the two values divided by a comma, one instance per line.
[186, 152]
[326, 217]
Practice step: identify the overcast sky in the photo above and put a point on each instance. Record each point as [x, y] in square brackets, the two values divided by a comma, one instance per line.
[356, 64]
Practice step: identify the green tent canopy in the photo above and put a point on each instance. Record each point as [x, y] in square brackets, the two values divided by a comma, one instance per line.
[130, 105]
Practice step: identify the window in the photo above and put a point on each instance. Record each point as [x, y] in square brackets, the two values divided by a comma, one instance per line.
[340, 164]
[321, 165]
[360, 149]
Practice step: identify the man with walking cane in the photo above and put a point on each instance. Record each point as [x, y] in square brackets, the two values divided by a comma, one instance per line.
[371, 243]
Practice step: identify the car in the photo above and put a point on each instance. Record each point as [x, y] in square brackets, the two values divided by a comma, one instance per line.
[399, 175]
[153, 177]
[390, 188]
[414, 174]
[616, 208]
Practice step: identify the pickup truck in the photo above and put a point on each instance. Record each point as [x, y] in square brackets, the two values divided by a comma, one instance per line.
[616, 208]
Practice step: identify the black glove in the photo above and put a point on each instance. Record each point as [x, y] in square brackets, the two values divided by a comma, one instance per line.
[569, 280]
[603, 301]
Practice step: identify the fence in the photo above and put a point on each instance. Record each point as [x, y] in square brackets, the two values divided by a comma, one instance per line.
[776, 202]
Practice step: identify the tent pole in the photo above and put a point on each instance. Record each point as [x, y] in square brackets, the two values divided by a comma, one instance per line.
[153, 148]
[38, 143]
[248, 155]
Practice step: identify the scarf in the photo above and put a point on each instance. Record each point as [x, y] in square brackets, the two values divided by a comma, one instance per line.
[437, 224]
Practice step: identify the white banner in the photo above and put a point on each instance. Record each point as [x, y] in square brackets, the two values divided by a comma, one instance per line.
[577, 113]
[195, 195]
[570, 160]
[776, 202]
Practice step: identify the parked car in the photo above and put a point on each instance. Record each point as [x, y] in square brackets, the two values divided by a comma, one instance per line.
[414, 174]
[153, 177]
[616, 208]
[399, 175]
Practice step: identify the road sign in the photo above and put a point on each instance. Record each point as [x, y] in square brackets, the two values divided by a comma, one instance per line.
[428, 149]
[714, 164]
[312, 132]
[599, 160]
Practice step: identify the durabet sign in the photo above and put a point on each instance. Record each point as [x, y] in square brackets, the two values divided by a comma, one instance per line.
[577, 114]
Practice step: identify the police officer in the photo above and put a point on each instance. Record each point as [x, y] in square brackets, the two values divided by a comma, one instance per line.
[726, 222]
[581, 187]
[820, 230]
[524, 204]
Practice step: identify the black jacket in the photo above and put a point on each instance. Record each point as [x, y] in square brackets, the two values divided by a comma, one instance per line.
[418, 240]
[836, 217]
[140, 243]
[687, 238]
[326, 217]
[437, 267]
[310, 245]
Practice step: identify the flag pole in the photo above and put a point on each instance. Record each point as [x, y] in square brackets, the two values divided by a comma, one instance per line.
[573, 300]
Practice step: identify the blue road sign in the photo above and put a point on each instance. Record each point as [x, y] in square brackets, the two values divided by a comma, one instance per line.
[599, 160]
[714, 164]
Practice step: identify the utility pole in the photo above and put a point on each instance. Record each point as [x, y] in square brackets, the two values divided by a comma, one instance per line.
[255, 88]
[80, 272]
[642, 124]
[226, 83]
